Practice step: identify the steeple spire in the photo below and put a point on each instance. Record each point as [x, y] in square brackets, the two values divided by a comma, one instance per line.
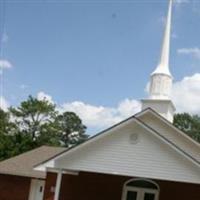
[161, 79]
[163, 66]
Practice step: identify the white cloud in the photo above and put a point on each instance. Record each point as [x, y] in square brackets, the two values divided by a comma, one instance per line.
[3, 103]
[128, 107]
[194, 52]
[97, 116]
[100, 116]
[5, 64]
[43, 96]
[186, 94]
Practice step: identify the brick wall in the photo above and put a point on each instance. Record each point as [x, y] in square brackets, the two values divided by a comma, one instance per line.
[50, 186]
[14, 187]
[93, 186]
[178, 191]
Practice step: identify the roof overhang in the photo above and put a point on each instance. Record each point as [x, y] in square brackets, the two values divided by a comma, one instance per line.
[49, 164]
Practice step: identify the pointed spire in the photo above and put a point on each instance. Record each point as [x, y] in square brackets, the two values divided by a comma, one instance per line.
[163, 66]
[161, 79]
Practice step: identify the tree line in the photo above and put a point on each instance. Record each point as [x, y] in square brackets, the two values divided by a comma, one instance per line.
[37, 122]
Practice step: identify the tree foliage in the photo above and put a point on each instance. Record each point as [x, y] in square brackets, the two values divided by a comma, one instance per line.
[190, 124]
[7, 129]
[37, 122]
[34, 116]
[6, 126]
[71, 129]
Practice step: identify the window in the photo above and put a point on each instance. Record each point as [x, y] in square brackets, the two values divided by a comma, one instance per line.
[140, 189]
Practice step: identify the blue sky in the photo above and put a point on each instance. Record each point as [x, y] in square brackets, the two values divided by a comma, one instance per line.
[95, 57]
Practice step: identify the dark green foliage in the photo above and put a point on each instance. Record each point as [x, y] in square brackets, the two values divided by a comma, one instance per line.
[7, 130]
[35, 123]
[6, 126]
[34, 116]
[71, 129]
[188, 124]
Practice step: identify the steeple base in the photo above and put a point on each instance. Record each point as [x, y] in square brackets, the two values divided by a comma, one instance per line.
[163, 107]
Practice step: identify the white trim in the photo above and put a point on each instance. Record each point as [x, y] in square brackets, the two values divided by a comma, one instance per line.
[90, 140]
[142, 179]
[168, 123]
[34, 187]
[121, 125]
[64, 171]
[97, 137]
[168, 143]
[145, 126]
[140, 190]
[58, 185]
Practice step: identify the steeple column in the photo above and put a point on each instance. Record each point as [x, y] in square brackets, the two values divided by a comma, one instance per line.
[160, 86]
[161, 79]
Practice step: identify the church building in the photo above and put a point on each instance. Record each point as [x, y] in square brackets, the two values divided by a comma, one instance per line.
[141, 158]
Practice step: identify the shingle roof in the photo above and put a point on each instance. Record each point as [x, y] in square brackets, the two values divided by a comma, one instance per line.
[22, 165]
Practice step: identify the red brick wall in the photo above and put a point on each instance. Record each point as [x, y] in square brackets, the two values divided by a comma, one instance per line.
[49, 185]
[178, 191]
[88, 186]
[14, 187]
[92, 186]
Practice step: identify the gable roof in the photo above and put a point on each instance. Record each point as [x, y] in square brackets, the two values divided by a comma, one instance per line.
[174, 144]
[90, 139]
[22, 165]
[181, 140]
[121, 153]
[150, 110]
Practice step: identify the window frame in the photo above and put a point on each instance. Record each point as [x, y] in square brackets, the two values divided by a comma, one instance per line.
[140, 190]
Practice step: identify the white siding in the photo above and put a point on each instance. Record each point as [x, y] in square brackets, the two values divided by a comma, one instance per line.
[115, 154]
[171, 134]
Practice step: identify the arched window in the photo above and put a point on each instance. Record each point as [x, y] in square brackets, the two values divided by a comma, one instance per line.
[140, 189]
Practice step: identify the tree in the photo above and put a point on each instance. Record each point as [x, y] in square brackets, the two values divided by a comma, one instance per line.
[7, 129]
[35, 123]
[188, 124]
[39, 123]
[6, 145]
[34, 117]
[71, 129]
[5, 124]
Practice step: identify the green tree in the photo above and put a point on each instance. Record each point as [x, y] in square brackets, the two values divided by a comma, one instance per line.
[71, 129]
[5, 125]
[35, 118]
[35, 123]
[6, 145]
[190, 124]
[7, 129]
[39, 123]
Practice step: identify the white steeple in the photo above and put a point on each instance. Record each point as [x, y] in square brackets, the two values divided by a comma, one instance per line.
[163, 66]
[161, 79]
